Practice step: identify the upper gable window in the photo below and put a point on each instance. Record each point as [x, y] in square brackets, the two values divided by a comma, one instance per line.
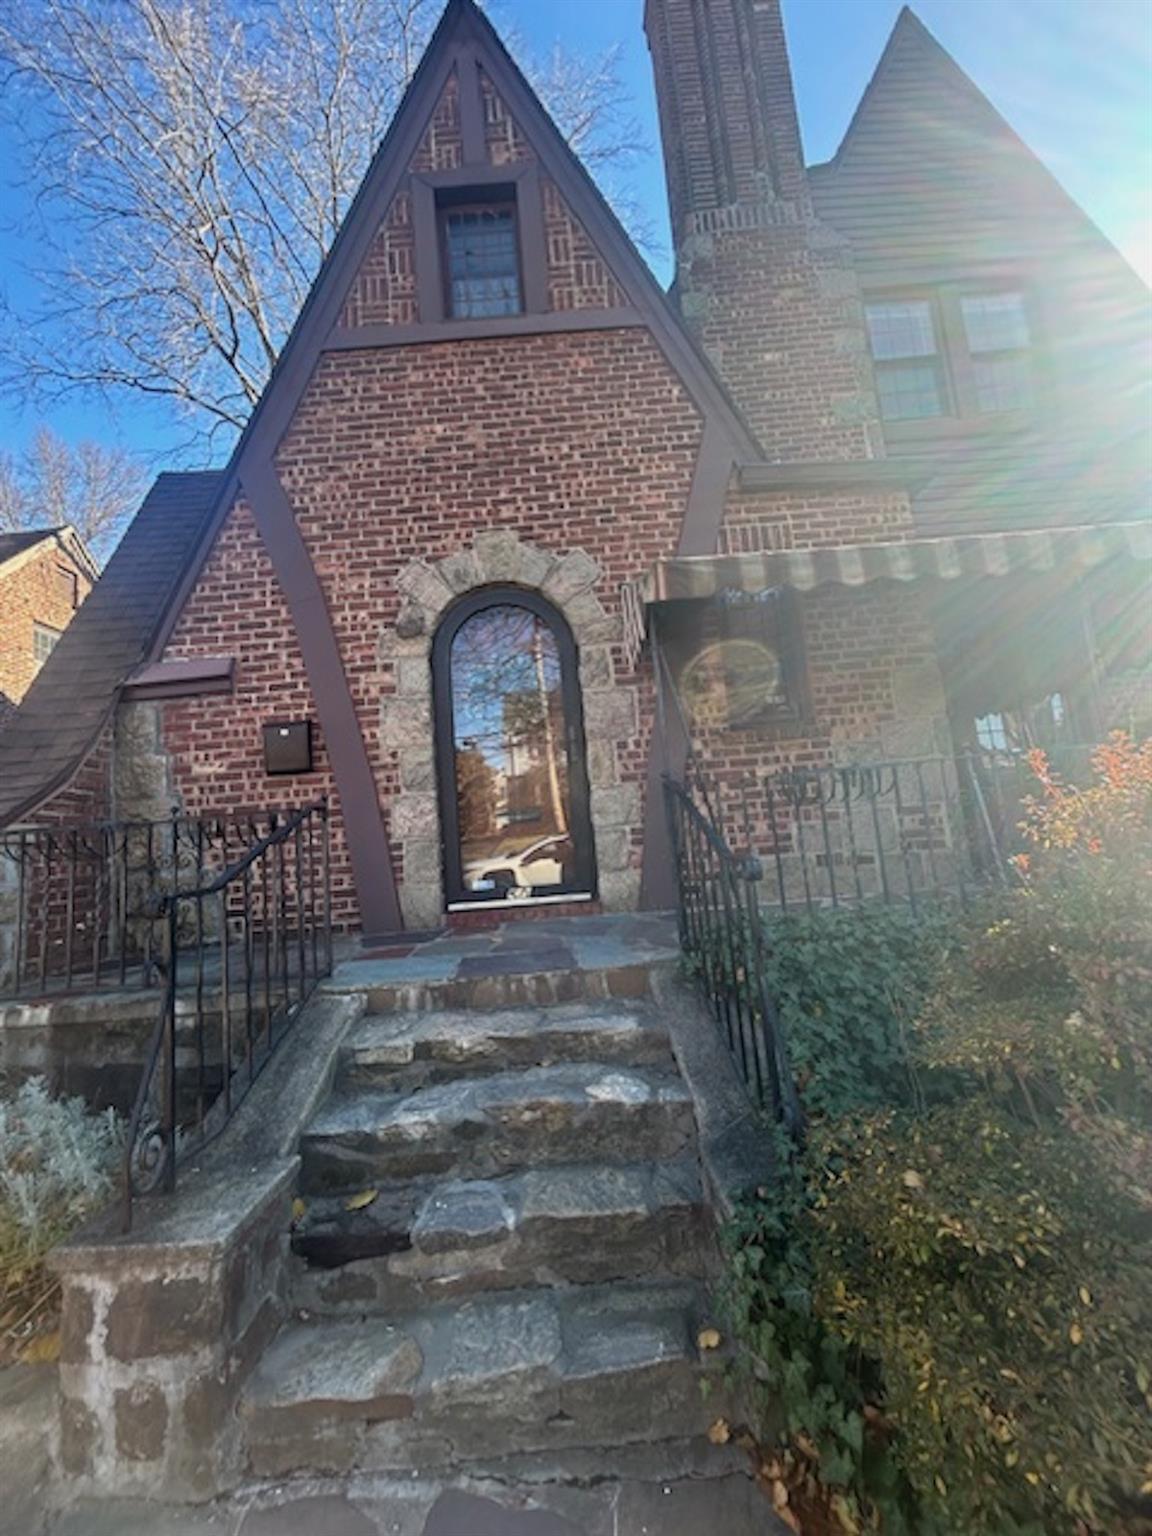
[906, 353]
[999, 341]
[481, 246]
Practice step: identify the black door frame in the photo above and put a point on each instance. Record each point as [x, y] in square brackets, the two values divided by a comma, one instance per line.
[443, 713]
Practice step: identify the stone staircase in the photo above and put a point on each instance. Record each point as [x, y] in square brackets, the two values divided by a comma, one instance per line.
[528, 1275]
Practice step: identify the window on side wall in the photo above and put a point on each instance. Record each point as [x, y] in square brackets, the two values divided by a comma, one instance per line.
[954, 352]
[906, 352]
[480, 245]
[44, 639]
[999, 345]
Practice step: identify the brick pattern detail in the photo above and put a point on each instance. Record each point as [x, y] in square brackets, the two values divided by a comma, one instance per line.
[442, 147]
[35, 591]
[506, 144]
[384, 292]
[577, 276]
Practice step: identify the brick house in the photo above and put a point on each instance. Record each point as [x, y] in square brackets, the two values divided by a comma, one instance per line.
[512, 530]
[45, 574]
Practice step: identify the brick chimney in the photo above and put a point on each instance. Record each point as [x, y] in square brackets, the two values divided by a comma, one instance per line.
[770, 291]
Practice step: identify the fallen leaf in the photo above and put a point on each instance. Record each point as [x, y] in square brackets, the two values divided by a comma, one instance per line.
[1076, 1333]
[709, 1338]
[44, 1349]
[911, 1179]
[720, 1433]
[299, 1210]
[779, 1495]
[362, 1201]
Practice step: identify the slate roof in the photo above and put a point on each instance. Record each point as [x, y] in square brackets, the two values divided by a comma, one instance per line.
[75, 691]
[12, 544]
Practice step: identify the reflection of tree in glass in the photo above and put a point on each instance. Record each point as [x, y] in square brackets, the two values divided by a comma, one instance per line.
[476, 792]
[507, 698]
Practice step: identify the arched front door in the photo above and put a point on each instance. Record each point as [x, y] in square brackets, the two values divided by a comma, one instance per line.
[510, 752]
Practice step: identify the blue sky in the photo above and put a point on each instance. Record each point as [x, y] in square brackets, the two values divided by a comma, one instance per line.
[1074, 77]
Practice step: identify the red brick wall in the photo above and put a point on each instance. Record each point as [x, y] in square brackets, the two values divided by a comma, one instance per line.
[33, 593]
[215, 743]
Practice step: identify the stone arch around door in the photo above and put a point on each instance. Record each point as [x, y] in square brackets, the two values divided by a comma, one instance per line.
[611, 712]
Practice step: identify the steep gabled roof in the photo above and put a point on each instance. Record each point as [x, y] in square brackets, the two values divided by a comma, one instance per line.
[930, 171]
[62, 714]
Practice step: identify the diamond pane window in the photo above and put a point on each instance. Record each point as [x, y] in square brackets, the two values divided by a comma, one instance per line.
[482, 259]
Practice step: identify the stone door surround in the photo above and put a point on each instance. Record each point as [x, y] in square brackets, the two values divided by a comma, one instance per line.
[500, 557]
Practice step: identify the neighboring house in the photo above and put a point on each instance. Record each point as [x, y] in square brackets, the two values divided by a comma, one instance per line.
[45, 575]
[871, 483]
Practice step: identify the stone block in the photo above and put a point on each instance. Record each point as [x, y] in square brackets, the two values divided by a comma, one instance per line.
[403, 721]
[422, 902]
[418, 767]
[917, 690]
[141, 1418]
[163, 1317]
[425, 586]
[413, 677]
[610, 714]
[415, 814]
[574, 574]
[617, 806]
[502, 555]
[596, 669]
[602, 766]
[79, 1438]
[76, 1320]
[613, 849]
[461, 571]
[620, 892]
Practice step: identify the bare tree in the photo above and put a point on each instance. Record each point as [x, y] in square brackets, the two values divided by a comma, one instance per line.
[193, 160]
[91, 486]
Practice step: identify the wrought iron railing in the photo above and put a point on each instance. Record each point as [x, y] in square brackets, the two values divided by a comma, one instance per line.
[723, 936]
[243, 952]
[80, 905]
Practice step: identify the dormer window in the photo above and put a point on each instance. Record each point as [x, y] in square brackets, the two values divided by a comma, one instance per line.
[481, 253]
[953, 351]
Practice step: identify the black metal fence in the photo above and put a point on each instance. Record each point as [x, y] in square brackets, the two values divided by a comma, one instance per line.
[722, 933]
[243, 952]
[80, 905]
[900, 831]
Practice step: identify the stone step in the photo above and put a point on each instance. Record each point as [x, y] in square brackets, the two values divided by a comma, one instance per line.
[532, 1371]
[549, 1226]
[486, 1126]
[410, 1050]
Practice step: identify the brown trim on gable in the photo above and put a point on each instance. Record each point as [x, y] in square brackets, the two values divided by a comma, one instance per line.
[352, 338]
[364, 828]
[533, 243]
[471, 108]
[426, 235]
[183, 678]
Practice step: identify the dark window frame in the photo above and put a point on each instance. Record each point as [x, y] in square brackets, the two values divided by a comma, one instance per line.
[584, 882]
[432, 190]
[471, 203]
[957, 360]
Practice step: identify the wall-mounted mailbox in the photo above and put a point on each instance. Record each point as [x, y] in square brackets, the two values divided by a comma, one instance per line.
[288, 747]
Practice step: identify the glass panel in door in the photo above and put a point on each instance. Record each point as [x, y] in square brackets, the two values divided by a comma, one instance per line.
[513, 779]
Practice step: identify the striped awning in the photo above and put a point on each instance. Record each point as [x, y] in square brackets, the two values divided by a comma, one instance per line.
[854, 565]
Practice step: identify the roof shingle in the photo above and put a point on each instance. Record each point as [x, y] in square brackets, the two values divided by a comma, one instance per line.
[64, 710]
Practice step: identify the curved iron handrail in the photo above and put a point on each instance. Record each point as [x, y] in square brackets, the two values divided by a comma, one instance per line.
[152, 1146]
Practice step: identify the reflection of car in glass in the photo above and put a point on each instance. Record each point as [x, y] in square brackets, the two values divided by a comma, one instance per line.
[541, 864]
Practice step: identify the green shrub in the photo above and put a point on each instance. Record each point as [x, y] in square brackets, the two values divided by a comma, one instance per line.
[945, 1311]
